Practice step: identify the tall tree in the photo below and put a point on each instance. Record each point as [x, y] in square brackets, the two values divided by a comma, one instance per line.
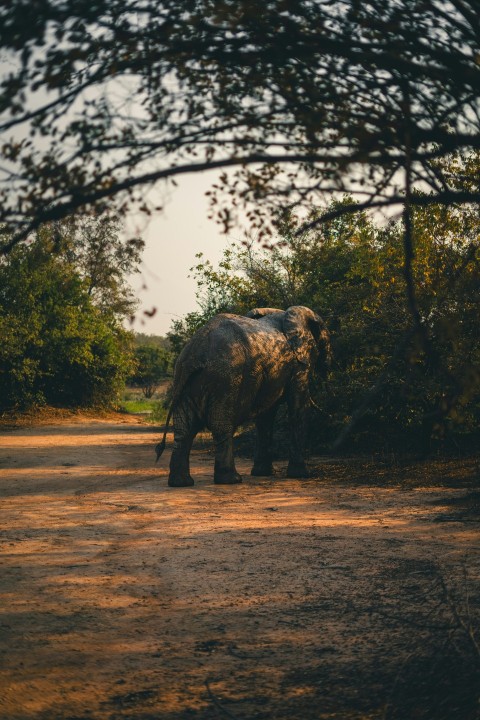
[100, 99]
[95, 245]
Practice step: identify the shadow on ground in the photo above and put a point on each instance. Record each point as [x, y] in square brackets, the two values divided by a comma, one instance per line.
[352, 595]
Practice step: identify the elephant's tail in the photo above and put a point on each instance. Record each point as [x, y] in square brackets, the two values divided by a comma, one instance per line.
[185, 372]
[161, 445]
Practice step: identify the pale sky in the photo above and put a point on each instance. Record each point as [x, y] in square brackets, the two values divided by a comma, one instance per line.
[172, 240]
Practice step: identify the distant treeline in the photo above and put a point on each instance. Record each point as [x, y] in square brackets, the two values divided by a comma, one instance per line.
[159, 341]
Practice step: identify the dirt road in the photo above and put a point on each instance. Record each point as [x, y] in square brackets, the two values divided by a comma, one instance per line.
[349, 595]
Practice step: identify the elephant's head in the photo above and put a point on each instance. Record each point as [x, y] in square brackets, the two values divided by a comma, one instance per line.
[305, 331]
[308, 336]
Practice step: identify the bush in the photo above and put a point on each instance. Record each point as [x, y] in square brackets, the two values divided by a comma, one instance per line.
[58, 346]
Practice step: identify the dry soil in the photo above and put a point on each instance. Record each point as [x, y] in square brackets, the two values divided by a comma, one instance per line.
[354, 594]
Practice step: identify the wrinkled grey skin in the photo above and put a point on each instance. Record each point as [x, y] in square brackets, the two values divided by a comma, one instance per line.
[239, 368]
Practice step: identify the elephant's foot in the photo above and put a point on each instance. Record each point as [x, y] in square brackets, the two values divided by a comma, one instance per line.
[297, 470]
[180, 481]
[262, 470]
[230, 478]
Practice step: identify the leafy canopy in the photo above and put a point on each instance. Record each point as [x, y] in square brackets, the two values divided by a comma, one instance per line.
[103, 98]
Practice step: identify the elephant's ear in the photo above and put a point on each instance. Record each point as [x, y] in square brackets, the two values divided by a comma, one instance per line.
[257, 313]
[303, 328]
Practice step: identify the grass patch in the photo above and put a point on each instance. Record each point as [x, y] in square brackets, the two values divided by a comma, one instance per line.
[138, 406]
[152, 409]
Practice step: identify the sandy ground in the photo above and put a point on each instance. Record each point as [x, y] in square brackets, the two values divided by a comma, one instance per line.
[354, 594]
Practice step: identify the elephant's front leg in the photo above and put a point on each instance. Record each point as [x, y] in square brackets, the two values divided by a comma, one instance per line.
[262, 462]
[224, 472]
[298, 397]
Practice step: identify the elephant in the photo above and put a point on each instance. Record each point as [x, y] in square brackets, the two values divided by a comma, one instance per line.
[238, 368]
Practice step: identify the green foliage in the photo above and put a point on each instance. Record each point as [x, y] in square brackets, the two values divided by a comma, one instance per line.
[350, 271]
[103, 259]
[153, 364]
[154, 340]
[62, 342]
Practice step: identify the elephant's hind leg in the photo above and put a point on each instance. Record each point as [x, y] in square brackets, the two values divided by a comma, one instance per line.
[185, 430]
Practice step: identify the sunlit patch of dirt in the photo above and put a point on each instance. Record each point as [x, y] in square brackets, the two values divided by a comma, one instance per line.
[354, 594]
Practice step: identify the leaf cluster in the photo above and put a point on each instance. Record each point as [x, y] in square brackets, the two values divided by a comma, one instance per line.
[100, 100]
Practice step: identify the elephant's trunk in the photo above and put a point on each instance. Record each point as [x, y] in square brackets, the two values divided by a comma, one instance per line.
[325, 355]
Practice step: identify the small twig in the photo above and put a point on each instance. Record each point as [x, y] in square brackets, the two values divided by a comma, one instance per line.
[466, 627]
[218, 704]
[460, 624]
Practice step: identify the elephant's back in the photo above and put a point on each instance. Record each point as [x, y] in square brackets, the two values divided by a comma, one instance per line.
[258, 361]
[211, 351]
[217, 339]
[242, 360]
[244, 342]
